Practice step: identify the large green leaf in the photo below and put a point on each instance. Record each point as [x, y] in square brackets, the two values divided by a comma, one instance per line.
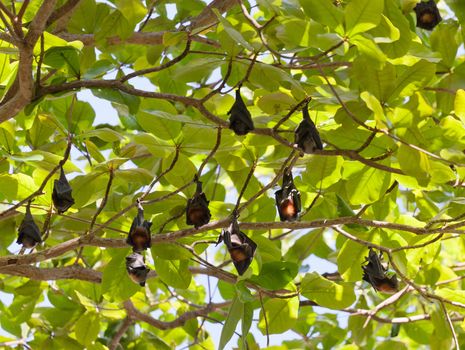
[281, 315]
[327, 293]
[362, 15]
[174, 272]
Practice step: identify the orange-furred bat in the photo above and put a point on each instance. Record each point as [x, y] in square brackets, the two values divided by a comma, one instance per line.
[139, 234]
[375, 273]
[28, 232]
[61, 195]
[306, 135]
[288, 198]
[135, 265]
[240, 120]
[428, 15]
[197, 212]
[240, 247]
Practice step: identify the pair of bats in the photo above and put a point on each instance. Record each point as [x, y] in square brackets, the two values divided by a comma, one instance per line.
[307, 137]
[28, 232]
[140, 238]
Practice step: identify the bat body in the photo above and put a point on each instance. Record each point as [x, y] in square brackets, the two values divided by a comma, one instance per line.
[306, 135]
[240, 120]
[288, 199]
[28, 232]
[240, 247]
[61, 195]
[197, 212]
[428, 15]
[137, 271]
[375, 273]
[139, 236]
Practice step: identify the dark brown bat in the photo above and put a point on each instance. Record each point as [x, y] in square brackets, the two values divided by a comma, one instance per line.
[428, 15]
[28, 232]
[307, 137]
[288, 198]
[240, 247]
[139, 234]
[375, 273]
[137, 271]
[61, 195]
[240, 120]
[197, 212]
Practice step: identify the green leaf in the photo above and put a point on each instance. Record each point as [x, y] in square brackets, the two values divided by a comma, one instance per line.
[174, 272]
[327, 293]
[235, 313]
[116, 284]
[350, 259]
[323, 11]
[322, 171]
[367, 185]
[57, 57]
[443, 40]
[114, 24]
[233, 33]
[362, 15]
[87, 328]
[276, 274]
[281, 315]
[412, 78]
[170, 251]
[459, 104]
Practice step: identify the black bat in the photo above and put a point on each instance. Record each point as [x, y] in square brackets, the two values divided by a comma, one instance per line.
[240, 247]
[61, 194]
[197, 212]
[307, 137]
[139, 234]
[428, 15]
[240, 120]
[28, 232]
[288, 199]
[137, 271]
[375, 273]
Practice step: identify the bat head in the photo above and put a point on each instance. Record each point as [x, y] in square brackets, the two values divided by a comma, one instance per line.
[240, 120]
[427, 14]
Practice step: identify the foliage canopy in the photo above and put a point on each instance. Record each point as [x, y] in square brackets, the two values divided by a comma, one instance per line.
[387, 100]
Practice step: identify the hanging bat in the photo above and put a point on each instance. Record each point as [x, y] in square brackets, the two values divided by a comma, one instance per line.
[240, 120]
[139, 234]
[375, 273]
[197, 212]
[137, 271]
[428, 15]
[288, 198]
[307, 137]
[240, 247]
[28, 232]
[61, 194]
